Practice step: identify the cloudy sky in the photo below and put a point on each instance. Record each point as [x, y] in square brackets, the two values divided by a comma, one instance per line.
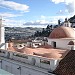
[36, 13]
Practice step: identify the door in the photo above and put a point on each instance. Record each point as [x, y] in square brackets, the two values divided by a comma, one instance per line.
[54, 43]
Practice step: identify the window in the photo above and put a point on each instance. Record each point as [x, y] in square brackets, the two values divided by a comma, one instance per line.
[34, 61]
[45, 61]
[21, 55]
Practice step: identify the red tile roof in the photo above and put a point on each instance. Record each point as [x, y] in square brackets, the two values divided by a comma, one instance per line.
[66, 65]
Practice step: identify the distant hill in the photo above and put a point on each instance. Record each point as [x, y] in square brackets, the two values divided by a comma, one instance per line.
[19, 29]
[20, 33]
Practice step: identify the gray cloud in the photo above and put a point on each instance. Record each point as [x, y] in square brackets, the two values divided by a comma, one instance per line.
[70, 7]
[35, 23]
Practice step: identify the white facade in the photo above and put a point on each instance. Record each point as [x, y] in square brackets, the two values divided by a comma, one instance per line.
[21, 69]
[67, 24]
[61, 43]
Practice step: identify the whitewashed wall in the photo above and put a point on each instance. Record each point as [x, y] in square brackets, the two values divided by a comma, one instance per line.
[53, 64]
[21, 69]
[32, 60]
[61, 43]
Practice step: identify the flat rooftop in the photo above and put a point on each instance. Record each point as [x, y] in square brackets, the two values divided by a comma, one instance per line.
[44, 51]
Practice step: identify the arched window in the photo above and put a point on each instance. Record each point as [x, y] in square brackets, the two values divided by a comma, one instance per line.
[71, 43]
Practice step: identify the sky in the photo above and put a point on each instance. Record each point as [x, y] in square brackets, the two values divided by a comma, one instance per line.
[35, 13]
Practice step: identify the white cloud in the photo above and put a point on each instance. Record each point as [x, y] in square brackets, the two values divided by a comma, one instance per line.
[10, 22]
[64, 1]
[60, 12]
[9, 15]
[52, 20]
[55, 19]
[37, 22]
[9, 19]
[57, 1]
[43, 23]
[70, 5]
[43, 17]
[14, 5]
[13, 23]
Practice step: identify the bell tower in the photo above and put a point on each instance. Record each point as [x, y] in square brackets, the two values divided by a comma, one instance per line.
[2, 38]
[67, 23]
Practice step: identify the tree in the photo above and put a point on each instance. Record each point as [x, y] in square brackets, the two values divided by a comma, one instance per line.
[59, 22]
[55, 26]
[45, 32]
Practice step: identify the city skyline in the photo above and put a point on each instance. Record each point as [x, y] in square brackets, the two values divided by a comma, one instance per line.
[35, 13]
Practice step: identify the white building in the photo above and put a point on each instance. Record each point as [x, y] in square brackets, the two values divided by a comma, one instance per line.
[63, 38]
[67, 23]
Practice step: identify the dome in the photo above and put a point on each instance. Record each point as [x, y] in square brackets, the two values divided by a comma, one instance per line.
[62, 32]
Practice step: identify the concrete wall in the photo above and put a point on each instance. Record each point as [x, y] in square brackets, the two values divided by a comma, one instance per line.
[24, 57]
[3, 53]
[53, 64]
[73, 47]
[32, 60]
[21, 69]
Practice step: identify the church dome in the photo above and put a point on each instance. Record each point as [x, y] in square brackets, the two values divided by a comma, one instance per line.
[62, 32]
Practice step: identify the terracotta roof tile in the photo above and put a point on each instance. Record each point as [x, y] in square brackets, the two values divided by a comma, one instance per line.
[62, 32]
[66, 65]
